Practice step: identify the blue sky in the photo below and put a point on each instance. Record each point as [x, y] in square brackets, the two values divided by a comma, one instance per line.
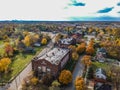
[60, 10]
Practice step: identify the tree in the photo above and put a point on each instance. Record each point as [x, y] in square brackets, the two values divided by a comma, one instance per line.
[27, 40]
[47, 79]
[58, 37]
[72, 48]
[75, 56]
[4, 63]
[65, 77]
[114, 73]
[90, 50]
[34, 81]
[81, 48]
[86, 61]
[8, 49]
[55, 85]
[79, 83]
[44, 41]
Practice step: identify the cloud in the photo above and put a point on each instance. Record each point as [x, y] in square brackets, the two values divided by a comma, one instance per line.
[118, 4]
[118, 12]
[105, 10]
[75, 3]
[102, 18]
[78, 4]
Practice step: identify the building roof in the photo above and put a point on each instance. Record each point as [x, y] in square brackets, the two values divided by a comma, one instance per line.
[101, 86]
[55, 55]
[66, 41]
[100, 73]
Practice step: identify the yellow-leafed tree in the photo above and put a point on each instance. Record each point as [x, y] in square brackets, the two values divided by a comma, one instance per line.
[44, 41]
[8, 49]
[27, 40]
[4, 63]
[65, 77]
[75, 56]
[79, 83]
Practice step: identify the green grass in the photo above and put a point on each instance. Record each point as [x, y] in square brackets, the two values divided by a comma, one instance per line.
[100, 65]
[19, 62]
[1, 42]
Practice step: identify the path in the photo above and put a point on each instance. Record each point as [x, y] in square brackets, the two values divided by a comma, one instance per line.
[78, 70]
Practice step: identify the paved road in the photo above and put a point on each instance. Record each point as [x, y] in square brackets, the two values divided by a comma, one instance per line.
[49, 45]
[78, 70]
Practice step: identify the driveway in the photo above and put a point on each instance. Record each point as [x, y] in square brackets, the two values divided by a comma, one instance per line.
[78, 70]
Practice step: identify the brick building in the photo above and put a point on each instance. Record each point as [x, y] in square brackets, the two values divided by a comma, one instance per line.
[51, 62]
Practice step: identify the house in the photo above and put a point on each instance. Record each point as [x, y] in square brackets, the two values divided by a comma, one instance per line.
[103, 51]
[29, 50]
[64, 43]
[102, 86]
[52, 62]
[100, 75]
[101, 54]
[77, 37]
[37, 44]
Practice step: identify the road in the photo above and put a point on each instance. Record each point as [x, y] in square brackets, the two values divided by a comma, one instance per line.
[78, 70]
[49, 45]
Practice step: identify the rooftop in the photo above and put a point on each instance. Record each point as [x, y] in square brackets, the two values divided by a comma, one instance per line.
[55, 55]
[66, 40]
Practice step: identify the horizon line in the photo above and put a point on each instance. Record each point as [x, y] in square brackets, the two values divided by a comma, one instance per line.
[60, 20]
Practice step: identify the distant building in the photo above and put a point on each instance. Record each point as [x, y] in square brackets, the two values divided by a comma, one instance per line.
[101, 54]
[51, 62]
[64, 43]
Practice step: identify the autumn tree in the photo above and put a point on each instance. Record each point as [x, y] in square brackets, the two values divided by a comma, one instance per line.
[4, 64]
[58, 37]
[90, 48]
[114, 73]
[86, 61]
[34, 81]
[8, 49]
[55, 85]
[27, 40]
[75, 56]
[65, 77]
[35, 38]
[81, 48]
[79, 83]
[44, 41]
[72, 48]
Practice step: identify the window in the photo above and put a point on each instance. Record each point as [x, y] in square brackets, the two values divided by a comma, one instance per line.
[39, 68]
[48, 70]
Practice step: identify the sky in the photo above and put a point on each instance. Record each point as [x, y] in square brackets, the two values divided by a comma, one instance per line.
[60, 10]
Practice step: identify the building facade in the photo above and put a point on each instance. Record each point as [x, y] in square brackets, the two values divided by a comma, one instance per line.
[52, 62]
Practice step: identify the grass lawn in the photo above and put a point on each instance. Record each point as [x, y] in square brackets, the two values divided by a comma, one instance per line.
[104, 65]
[18, 64]
[1, 42]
